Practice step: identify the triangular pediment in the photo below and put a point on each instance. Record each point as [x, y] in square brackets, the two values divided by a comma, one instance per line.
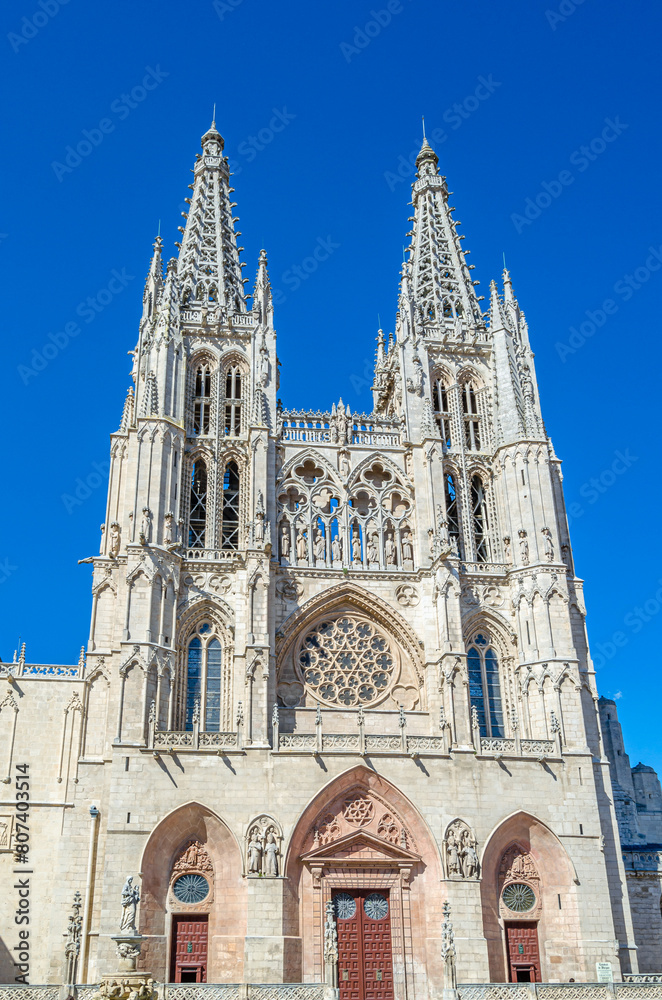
[360, 846]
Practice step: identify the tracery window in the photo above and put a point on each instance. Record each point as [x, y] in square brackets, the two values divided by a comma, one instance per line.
[452, 511]
[198, 505]
[442, 414]
[347, 662]
[203, 680]
[470, 414]
[484, 686]
[202, 400]
[479, 519]
[233, 401]
[230, 522]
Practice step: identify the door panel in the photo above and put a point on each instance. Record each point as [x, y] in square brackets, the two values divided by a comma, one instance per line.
[523, 954]
[365, 964]
[189, 950]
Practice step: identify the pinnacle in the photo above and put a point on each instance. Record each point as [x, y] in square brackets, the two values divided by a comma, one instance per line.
[426, 153]
[212, 133]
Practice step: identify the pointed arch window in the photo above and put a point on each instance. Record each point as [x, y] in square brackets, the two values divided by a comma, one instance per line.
[233, 401]
[198, 505]
[479, 519]
[204, 676]
[441, 407]
[484, 685]
[452, 511]
[202, 400]
[230, 525]
[471, 419]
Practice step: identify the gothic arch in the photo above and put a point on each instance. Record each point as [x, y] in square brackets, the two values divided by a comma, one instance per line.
[309, 453]
[557, 926]
[503, 633]
[349, 595]
[378, 457]
[194, 821]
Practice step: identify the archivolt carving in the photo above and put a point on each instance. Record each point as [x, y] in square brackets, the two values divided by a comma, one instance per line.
[361, 810]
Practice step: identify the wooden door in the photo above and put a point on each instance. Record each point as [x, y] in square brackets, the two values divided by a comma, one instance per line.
[523, 954]
[365, 963]
[189, 950]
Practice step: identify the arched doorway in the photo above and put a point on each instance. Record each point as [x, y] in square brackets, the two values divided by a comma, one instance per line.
[361, 845]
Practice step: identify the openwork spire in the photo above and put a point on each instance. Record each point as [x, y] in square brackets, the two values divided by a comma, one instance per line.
[441, 286]
[209, 270]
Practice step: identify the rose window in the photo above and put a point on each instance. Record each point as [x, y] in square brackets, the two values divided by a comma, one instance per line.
[346, 662]
[191, 888]
[518, 896]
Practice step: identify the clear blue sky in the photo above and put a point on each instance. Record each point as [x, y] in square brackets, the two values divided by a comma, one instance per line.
[345, 94]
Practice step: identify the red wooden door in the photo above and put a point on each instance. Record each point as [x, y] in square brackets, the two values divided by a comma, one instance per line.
[523, 954]
[365, 963]
[189, 950]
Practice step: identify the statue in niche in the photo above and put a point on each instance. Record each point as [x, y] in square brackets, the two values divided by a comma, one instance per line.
[320, 546]
[285, 540]
[407, 547]
[254, 855]
[373, 550]
[336, 549]
[507, 550]
[130, 900]
[469, 857]
[102, 528]
[167, 529]
[114, 539]
[389, 549]
[145, 524]
[302, 546]
[356, 546]
[548, 545]
[523, 547]
[460, 848]
[271, 856]
[452, 855]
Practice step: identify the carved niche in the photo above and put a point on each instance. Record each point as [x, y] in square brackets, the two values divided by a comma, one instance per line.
[460, 855]
[263, 848]
[192, 877]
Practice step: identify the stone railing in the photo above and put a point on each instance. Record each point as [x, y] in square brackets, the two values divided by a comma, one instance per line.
[628, 990]
[642, 977]
[183, 740]
[318, 427]
[44, 671]
[514, 746]
[360, 743]
[212, 555]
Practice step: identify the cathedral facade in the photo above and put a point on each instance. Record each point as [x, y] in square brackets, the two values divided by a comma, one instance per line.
[337, 692]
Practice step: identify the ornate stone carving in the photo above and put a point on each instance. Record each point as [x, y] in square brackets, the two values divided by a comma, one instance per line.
[358, 811]
[523, 547]
[517, 864]
[263, 847]
[460, 851]
[130, 900]
[114, 539]
[193, 858]
[548, 545]
[407, 595]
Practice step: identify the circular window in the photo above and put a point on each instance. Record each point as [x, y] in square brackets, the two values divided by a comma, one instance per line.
[519, 897]
[375, 906]
[191, 888]
[347, 662]
[345, 906]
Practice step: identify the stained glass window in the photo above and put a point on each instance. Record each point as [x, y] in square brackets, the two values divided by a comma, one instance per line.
[484, 685]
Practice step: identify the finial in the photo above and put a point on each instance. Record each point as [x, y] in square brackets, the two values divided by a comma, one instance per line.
[159, 232]
[213, 117]
[423, 120]
[504, 260]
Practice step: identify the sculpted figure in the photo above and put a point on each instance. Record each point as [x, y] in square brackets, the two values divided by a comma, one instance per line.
[373, 550]
[336, 549]
[130, 900]
[320, 546]
[114, 539]
[470, 858]
[285, 540]
[407, 547]
[548, 544]
[302, 545]
[271, 855]
[453, 855]
[356, 546]
[507, 550]
[254, 855]
[145, 522]
[389, 549]
[523, 547]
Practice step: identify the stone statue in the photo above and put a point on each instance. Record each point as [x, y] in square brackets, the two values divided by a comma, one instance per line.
[523, 547]
[114, 537]
[548, 545]
[254, 855]
[373, 551]
[336, 549]
[259, 527]
[167, 529]
[130, 900]
[285, 540]
[145, 523]
[507, 550]
[469, 857]
[302, 545]
[389, 549]
[407, 547]
[103, 537]
[356, 546]
[271, 855]
[453, 863]
[320, 546]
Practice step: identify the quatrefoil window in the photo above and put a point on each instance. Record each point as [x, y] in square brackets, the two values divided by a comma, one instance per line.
[346, 661]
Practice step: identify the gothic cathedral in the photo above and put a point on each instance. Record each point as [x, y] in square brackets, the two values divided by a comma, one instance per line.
[337, 720]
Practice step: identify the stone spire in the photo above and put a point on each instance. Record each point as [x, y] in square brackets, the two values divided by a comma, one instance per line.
[154, 282]
[262, 298]
[441, 286]
[209, 270]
